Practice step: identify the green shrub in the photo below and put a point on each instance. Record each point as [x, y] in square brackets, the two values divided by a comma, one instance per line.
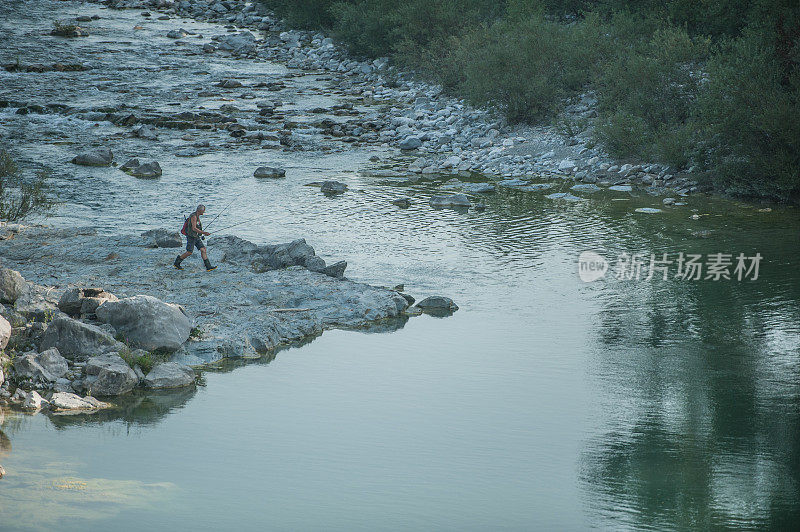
[647, 94]
[307, 14]
[750, 114]
[526, 67]
[146, 361]
[367, 28]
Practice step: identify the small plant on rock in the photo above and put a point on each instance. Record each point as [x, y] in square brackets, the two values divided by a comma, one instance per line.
[63, 29]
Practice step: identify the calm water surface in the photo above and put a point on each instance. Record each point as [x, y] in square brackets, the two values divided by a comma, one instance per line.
[543, 403]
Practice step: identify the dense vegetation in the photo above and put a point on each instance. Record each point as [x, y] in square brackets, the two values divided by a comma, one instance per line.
[713, 84]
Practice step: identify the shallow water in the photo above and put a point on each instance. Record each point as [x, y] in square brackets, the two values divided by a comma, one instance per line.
[544, 402]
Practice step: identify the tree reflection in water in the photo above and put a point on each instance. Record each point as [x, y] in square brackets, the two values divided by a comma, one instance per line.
[700, 405]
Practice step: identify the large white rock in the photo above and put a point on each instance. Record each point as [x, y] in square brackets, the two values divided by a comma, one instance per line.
[147, 322]
[71, 401]
[169, 375]
[33, 401]
[163, 238]
[5, 332]
[52, 361]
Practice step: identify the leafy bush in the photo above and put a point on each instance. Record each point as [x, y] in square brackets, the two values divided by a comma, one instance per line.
[525, 66]
[646, 96]
[308, 14]
[20, 197]
[146, 361]
[750, 115]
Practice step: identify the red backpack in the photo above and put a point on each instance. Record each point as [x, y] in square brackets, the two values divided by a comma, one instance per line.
[185, 226]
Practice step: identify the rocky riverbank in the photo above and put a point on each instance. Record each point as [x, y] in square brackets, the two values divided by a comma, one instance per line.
[446, 135]
[425, 134]
[114, 315]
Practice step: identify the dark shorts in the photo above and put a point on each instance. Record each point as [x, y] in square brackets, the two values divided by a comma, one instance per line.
[192, 242]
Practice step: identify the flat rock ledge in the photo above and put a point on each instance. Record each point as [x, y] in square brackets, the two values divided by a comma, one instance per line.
[106, 315]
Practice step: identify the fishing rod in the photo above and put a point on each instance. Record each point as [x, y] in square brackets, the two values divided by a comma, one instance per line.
[240, 223]
[220, 212]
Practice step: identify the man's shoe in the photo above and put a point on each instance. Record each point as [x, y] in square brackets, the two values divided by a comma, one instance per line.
[177, 263]
[211, 268]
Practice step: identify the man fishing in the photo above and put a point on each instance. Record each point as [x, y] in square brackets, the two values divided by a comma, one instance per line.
[193, 229]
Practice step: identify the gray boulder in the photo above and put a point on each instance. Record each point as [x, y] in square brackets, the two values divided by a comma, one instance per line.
[98, 157]
[336, 270]
[26, 367]
[402, 202]
[241, 43]
[230, 84]
[163, 238]
[333, 187]
[566, 165]
[37, 303]
[52, 362]
[410, 143]
[437, 303]
[146, 170]
[169, 375]
[130, 165]
[77, 340]
[456, 200]
[144, 132]
[47, 366]
[315, 264]
[109, 375]
[147, 322]
[12, 285]
[268, 171]
[621, 188]
[71, 401]
[77, 302]
[5, 332]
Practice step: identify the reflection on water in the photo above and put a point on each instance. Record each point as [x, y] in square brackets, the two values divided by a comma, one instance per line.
[42, 491]
[134, 409]
[701, 404]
